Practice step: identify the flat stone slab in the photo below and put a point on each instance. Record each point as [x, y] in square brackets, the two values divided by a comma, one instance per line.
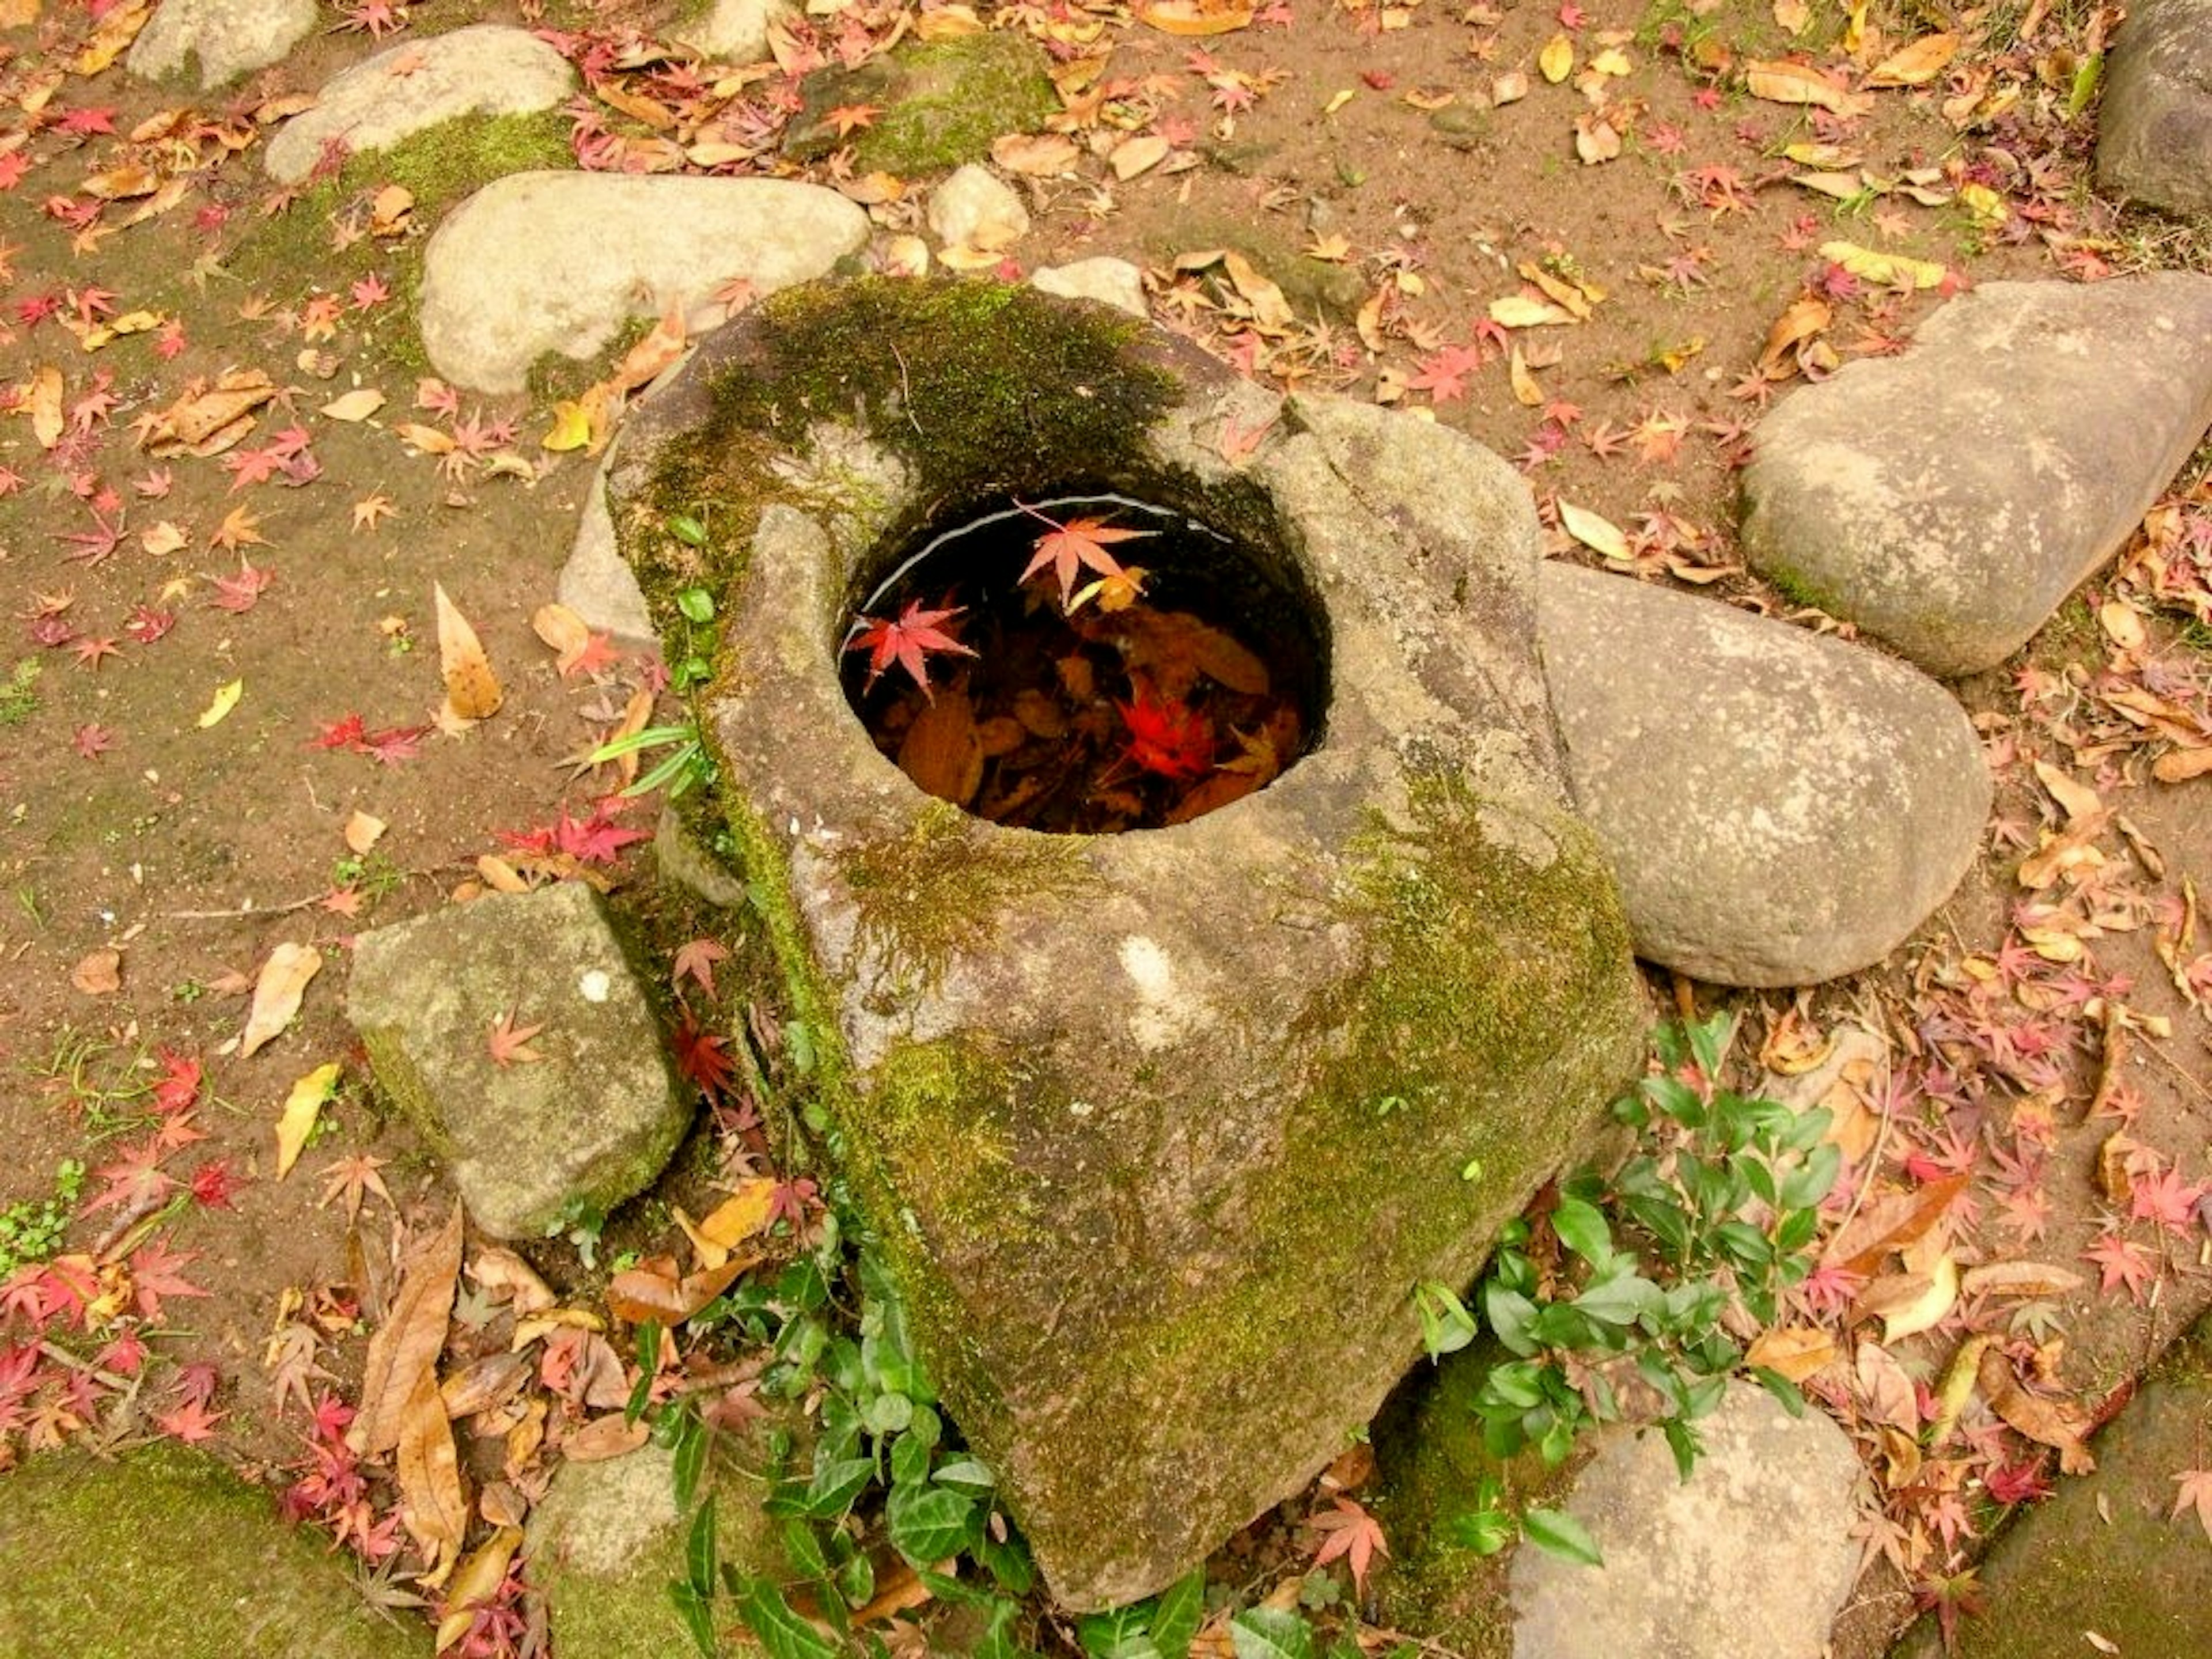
[2155, 125]
[594, 581]
[483, 70]
[164, 1553]
[225, 38]
[1779, 808]
[1949, 499]
[533, 1145]
[1753, 1554]
[556, 262]
[2106, 1554]
[1110, 281]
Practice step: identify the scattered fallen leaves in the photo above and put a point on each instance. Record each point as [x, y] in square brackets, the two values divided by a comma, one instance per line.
[277, 990]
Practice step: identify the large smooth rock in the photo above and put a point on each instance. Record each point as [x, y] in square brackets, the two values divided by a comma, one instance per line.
[1752, 1554]
[164, 1553]
[1949, 499]
[556, 262]
[483, 70]
[2155, 124]
[225, 37]
[1779, 808]
[1110, 281]
[730, 31]
[1159, 1131]
[532, 1146]
[2114, 1552]
[940, 104]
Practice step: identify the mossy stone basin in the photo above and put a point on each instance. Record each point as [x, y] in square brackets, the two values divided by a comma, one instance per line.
[1160, 1130]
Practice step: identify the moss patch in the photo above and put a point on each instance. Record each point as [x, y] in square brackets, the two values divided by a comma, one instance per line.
[166, 1554]
[940, 104]
[320, 241]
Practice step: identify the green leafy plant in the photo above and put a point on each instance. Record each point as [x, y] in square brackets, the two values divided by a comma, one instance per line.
[686, 764]
[1713, 1216]
[19, 693]
[31, 1229]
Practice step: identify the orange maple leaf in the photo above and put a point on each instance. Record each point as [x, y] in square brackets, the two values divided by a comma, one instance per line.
[1348, 1531]
[850, 119]
[1067, 548]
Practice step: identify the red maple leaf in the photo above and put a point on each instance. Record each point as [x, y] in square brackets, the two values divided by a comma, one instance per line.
[696, 958]
[2017, 1483]
[238, 593]
[92, 739]
[1350, 1533]
[596, 652]
[510, 1043]
[703, 1056]
[91, 652]
[2125, 1263]
[134, 1179]
[2166, 1198]
[1442, 375]
[147, 624]
[346, 733]
[909, 640]
[1167, 738]
[393, 743]
[1067, 548]
[215, 1183]
[179, 1086]
[156, 1272]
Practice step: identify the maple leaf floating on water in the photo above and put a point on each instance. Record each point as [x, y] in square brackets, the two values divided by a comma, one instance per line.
[908, 641]
[1067, 548]
[1167, 737]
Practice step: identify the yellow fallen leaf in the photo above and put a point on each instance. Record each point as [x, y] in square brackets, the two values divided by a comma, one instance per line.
[1925, 1309]
[1891, 269]
[1526, 391]
[164, 538]
[1194, 16]
[1337, 100]
[45, 405]
[356, 405]
[475, 1582]
[1915, 65]
[571, 427]
[1596, 141]
[472, 690]
[1985, 204]
[363, 831]
[1613, 61]
[226, 699]
[1796, 1352]
[1509, 87]
[1792, 15]
[1138, 154]
[1596, 532]
[1519, 311]
[1797, 83]
[276, 992]
[301, 1107]
[1556, 60]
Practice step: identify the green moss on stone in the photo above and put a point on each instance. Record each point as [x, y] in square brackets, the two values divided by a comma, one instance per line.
[940, 103]
[165, 1554]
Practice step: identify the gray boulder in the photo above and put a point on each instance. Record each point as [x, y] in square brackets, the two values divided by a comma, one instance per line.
[1753, 1554]
[1779, 808]
[546, 261]
[1110, 281]
[596, 584]
[730, 31]
[2154, 126]
[483, 69]
[225, 37]
[1949, 499]
[533, 1143]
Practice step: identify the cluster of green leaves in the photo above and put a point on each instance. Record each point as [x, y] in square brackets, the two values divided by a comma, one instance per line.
[31, 1229]
[881, 1455]
[1717, 1212]
[691, 659]
[685, 765]
[19, 693]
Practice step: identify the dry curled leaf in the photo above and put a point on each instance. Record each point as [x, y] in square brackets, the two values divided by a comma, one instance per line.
[406, 1347]
[2046, 1422]
[99, 974]
[472, 690]
[433, 1506]
[277, 993]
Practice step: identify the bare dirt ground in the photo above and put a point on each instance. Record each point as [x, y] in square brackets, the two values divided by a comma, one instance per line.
[216, 660]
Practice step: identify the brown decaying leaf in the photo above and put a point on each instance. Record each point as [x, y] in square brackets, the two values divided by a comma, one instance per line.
[433, 1505]
[652, 1289]
[506, 1276]
[604, 1437]
[363, 831]
[1796, 1353]
[2032, 1279]
[406, 1347]
[2046, 1422]
[475, 1582]
[941, 751]
[472, 690]
[276, 992]
[563, 630]
[1884, 1391]
[1891, 1223]
[99, 974]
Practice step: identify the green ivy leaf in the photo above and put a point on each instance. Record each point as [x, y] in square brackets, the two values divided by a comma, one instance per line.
[700, 1554]
[781, 1632]
[697, 1614]
[1511, 1314]
[1581, 1229]
[1180, 1611]
[970, 1476]
[1118, 1633]
[928, 1523]
[1271, 1633]
[1485, 1531]
[693, 1441]
[1561, 1534]
[1446, 1325]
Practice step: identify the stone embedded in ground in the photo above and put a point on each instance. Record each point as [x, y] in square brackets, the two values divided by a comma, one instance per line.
[730, 31]
[1111, 282]
[1158, 1130]
[483, 70]
[976, 208]
[164, 1553]
[556, 262]
[533, 1144]
[2154, 121]
[597, 585]
[1753, 1554]
[1314, 288]
[2107, 1552]
[938, 104]
[1949, 499]
[606, 1541]
[1780, 808]
[224, 39]
[688, 861]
